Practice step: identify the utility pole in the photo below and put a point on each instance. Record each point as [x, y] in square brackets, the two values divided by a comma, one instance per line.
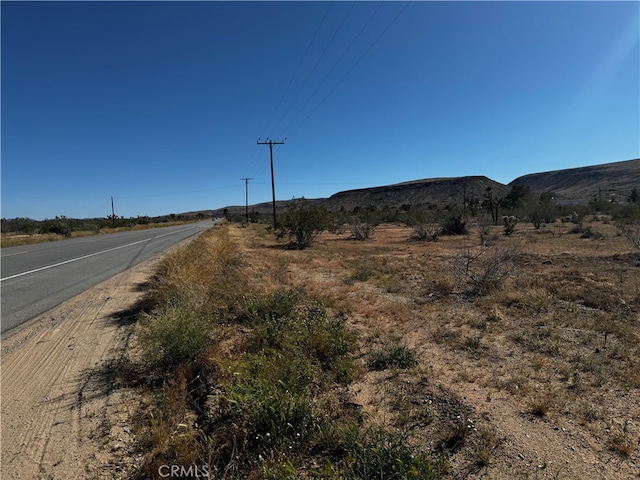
[246, 203]
[113, 212]
[271, 143]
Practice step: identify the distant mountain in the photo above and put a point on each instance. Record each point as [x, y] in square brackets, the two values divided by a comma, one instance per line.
[417, 193]
[262, 208]
[573, 185]
[612, 181]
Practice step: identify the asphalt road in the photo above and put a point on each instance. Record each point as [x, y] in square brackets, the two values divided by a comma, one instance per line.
[36, 278]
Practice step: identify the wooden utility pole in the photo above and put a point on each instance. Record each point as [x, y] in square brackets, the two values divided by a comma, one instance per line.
[271, 143]
[113, 213]
[246, 195]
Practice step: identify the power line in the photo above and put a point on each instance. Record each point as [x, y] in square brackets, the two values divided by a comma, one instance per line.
[120, 197]
[351, 69]
[304, 55]
[316, 65]
[254, 161]
[334, 65]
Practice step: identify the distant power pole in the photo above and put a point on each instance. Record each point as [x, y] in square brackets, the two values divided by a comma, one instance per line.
[271, 143]
[246, 202]
[113, 212]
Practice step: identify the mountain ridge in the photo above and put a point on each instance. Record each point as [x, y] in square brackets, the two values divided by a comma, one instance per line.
[613, 181]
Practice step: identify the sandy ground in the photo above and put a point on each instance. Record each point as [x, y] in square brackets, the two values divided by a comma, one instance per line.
[62, 416]
[66, 413]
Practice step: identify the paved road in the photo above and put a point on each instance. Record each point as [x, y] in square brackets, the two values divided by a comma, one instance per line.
[36, 278]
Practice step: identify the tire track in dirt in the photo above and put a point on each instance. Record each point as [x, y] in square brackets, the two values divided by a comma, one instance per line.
[53, 401]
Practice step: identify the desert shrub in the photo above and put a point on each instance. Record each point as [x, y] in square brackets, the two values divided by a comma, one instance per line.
[87, 227]
[543, 210]
[19, 225]
[303, 222]
[361, 229]
[483, 225]
[58, 227]
[426, 226]
[169, 441]
[173, 334]
[427, 231]
[631, 232]
[454, 226]
[392, 357]
[485, 269]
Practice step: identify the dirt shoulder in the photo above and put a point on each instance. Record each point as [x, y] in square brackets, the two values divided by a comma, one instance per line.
[62, 415]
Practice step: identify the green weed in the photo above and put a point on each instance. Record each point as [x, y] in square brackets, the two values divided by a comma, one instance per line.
[173, 334]
[392, 357]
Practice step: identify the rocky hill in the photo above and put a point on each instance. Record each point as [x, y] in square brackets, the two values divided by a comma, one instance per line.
[417, 193]
[612, 181]
[575, 185]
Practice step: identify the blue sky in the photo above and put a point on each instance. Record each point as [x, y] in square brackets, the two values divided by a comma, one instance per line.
[160, 104]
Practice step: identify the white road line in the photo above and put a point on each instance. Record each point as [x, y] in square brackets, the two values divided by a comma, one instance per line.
[12, 254]
[87, 256]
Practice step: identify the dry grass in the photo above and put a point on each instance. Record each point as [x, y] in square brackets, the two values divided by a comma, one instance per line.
[552, 347]
[559, 334]
[205, 273]
[9, 240]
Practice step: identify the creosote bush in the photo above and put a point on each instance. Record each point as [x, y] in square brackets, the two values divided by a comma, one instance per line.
[303, 222]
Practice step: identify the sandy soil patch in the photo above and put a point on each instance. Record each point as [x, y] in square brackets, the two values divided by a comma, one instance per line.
[64, 415]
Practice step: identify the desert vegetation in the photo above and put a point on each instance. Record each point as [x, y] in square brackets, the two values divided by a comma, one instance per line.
[26, 231]
[250, 378]
[508, 352]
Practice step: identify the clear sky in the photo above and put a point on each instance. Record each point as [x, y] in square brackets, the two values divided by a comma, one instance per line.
[160, 104]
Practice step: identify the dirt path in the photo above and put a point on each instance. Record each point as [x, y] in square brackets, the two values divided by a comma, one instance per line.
[61, 415]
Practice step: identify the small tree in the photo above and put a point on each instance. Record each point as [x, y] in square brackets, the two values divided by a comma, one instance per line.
[303, 222]
[543, 210]
[493, 203]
